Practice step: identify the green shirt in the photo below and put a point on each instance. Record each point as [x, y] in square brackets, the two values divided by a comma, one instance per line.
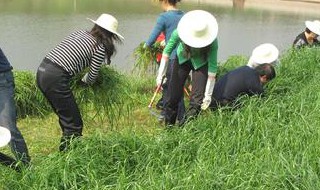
[197, 59]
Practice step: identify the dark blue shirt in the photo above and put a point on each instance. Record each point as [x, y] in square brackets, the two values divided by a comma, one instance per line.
[241, 81]
[167, 22]
[4, 63]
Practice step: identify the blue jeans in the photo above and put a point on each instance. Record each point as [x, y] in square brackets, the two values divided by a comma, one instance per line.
[8, 116]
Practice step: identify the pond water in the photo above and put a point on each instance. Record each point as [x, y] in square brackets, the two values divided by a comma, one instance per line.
[31, 28]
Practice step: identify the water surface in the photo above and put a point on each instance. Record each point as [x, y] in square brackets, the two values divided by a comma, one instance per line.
[31, 28]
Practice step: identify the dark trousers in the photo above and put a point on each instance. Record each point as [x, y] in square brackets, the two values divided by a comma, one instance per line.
[54, 82]
[175, 91]
[8, 116]
[165, 93]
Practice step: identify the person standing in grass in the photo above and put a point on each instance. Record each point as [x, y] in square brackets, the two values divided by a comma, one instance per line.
[8, 117]
[79, 50]
[167, 22]
[196, 41]
[309, 36]
[248, 79]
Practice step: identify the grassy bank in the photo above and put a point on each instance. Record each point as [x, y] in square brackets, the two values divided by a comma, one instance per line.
[269, 143]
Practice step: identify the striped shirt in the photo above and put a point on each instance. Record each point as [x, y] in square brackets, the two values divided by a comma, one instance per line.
[78, 51]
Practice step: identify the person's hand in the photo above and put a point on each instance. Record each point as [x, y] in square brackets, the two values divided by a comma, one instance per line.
[206, 102]
[80, 83]
[83, 82]
[163, 43]
[209, 89]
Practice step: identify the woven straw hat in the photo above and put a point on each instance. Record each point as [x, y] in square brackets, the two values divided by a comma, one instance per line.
[198, 28]
[109, 23]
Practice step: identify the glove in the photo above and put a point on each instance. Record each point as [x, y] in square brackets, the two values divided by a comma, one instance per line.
[162, 69]
[209, 89]
[163, 43]
[83, 81]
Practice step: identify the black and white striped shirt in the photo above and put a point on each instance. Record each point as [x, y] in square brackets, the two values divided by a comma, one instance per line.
[78, 51]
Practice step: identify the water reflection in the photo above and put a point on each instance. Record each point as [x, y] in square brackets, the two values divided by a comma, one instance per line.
[238, 4]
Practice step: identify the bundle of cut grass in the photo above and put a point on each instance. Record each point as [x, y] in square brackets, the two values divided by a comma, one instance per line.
[145, 58]
[105, 99]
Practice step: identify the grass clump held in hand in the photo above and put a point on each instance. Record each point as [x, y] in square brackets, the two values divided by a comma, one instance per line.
[107, 98]
[146, 58]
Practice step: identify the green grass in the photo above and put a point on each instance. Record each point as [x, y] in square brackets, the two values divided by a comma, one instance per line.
[269, 143]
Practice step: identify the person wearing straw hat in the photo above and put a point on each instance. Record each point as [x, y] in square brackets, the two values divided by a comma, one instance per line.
[197, 47]
[264, 53]
[309, 36]
[248, 79]
[166, 23]
[76, 52]
[8, 113]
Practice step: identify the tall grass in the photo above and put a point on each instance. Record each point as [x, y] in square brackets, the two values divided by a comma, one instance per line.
[268, 143]
[106, 100]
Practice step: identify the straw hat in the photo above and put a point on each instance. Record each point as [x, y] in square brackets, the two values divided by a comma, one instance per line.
[109, 23]
[198, 28]
[5, 136]
[313, 26]
[264, 53]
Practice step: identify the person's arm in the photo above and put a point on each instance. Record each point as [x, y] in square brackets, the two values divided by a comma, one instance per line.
[212, 70]
[158, 28]
[255, 88]
[96, 62]
[172, 44]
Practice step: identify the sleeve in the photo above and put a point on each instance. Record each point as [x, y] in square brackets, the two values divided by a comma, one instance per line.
[96, 62]
[158, 28]
[172, 43]
[255, 88]
[213, 57]
[299, 43]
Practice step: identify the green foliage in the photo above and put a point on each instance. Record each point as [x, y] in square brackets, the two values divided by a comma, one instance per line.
[269, 143]
[106, 100]
[29, 99]
[146, 58]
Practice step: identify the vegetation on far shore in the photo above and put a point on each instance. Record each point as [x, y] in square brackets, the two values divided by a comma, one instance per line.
[268, 143]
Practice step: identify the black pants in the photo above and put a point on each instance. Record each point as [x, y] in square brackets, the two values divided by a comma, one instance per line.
[54, 82]
[181, 106]
[175, 91]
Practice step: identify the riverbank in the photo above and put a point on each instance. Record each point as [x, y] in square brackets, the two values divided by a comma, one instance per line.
[268, 143]
[304, 7]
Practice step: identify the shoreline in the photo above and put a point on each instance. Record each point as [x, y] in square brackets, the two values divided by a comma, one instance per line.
[305, 7]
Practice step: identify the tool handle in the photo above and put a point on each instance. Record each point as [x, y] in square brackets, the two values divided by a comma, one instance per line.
[156, 92]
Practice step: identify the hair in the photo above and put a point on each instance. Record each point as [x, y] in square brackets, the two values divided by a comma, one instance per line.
[203, 51]
[307, 30]
[107, 39]
[171, 2]
[267, 70]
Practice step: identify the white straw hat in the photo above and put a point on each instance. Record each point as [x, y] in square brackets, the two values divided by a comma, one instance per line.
[198, 28]
[313, 26]
[5, 136]
[108, 22]
[264, 53]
